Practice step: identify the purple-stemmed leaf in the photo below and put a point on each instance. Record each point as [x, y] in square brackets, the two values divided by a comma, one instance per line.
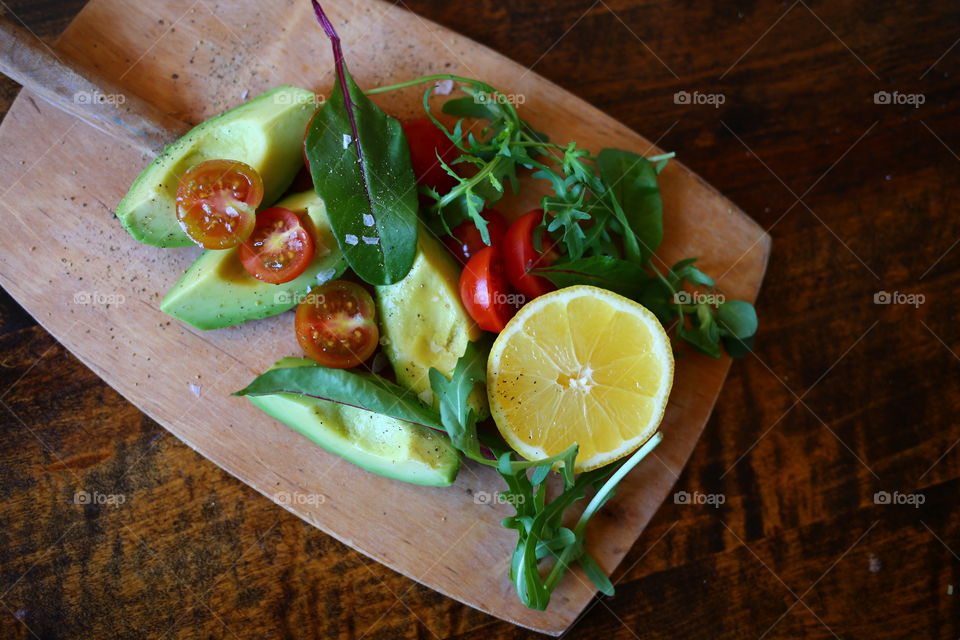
[360, 164]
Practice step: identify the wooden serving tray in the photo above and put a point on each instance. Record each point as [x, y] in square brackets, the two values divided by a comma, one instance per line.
[65, 258]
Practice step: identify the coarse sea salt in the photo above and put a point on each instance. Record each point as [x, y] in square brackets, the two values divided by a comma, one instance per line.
[326, 275]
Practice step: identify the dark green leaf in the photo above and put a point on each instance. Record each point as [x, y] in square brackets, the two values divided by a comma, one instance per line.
[737, 318]
[736, 347]
[360, 163]
[453, 394]
[700, 341]
[365, 391]
[632, 180]
[468, 107]
[626, 278]
[597, 576]
[540, 474]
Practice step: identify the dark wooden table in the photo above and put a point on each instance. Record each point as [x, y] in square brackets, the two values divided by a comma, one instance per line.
[834, 448]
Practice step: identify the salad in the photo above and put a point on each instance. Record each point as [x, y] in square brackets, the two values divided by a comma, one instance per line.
[438, 331]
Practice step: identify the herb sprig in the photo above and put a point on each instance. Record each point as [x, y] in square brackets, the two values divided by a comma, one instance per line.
[605, 210]
[540, 523]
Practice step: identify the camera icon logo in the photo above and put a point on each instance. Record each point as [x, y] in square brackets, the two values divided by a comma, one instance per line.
[82, 497]
[681, 497]
[482, 497]
[882, 97]
[681, 97]
[882, 297]
[881, 497]
[683, 297]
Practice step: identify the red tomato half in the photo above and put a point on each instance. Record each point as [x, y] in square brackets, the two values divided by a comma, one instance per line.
[217, 202]
[466, 239]
[520, 257]
[485, 293]
[426, 141]
[336, 324]
[279, 249]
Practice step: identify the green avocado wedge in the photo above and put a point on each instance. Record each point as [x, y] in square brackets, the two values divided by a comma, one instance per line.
[423, 323]
[266, 133]
[216, 291]
[375, 442]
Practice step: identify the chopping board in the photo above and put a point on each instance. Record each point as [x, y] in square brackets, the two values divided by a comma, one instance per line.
[65, 258]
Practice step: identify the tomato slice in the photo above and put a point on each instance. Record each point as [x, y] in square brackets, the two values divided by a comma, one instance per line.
[279, 249]
[217, 202]
[426, 141]
[336, 324]
[485, 293]
[520, 256]
[466, 239]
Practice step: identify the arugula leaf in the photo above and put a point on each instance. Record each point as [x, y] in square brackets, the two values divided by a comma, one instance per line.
[361, 390]
[631, 181]
[360, 164]
[684, 270]
[626, 278]
[459, 420]
[596, 574]
[539, 523]
[468, 107]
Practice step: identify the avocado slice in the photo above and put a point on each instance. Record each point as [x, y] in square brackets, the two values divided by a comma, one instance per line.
[216, 291]
[375, 442]
[423, 324]
[266, 133]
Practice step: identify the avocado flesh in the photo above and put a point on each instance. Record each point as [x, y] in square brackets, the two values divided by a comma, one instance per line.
[375, 442]
[423, 323]
[216, 291]
[265, 133]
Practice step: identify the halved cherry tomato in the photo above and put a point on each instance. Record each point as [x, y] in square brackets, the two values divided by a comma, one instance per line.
[520, 256]
[466, 239]
[279, 249]
[485, 293]
[336, 324]
[217, 202]
[426, 141]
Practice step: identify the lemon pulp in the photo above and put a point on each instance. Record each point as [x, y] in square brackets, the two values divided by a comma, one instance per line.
[582, 365]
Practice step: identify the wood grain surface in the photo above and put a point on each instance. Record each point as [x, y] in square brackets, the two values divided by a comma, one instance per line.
[845, 398]
[101, 291]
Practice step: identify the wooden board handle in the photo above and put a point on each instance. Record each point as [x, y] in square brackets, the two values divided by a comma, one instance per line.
[70, 87]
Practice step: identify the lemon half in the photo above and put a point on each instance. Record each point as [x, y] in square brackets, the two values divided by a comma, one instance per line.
[582, 365]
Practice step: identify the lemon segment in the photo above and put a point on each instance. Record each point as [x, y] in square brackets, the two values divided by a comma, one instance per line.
[582, 365]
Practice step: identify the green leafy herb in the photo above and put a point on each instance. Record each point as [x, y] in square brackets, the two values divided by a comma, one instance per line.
[606, 211]
[360, 164]
[361, 390]
[737, 319]
[539, 522]
[633, 191]
[620, 276]
[458, 418]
